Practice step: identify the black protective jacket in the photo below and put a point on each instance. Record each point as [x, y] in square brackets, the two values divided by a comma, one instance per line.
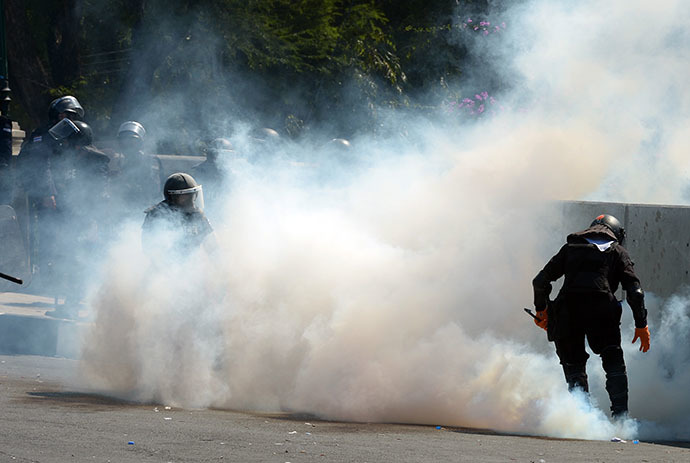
[136, 177]
[591, 273]
[34, 164]
[80, 177]
[185, 230]
[5, 141]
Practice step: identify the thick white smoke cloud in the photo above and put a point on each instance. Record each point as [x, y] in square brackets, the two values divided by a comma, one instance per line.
[614, 76]
[395, 292]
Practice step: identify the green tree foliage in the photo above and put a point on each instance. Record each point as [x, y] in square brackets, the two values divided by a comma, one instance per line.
[288, 63]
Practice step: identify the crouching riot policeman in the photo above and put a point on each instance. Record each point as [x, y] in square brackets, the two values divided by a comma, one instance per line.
[178, 223]
[593, 263]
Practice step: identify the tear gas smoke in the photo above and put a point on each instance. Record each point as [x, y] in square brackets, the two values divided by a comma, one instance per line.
[393, 292]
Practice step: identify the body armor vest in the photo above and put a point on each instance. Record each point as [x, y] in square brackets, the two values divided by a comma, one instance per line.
[587, 269]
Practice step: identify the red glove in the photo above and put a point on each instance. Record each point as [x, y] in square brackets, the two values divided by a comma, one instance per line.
[643, 335]
[542, 320]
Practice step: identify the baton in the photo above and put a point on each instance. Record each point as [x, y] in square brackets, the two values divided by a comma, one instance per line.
[531, 314]
[11, 278]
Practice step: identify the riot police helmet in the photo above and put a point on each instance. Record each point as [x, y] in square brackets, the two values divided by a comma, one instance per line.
[181, 191]
[131, 129]
[265, 134]
[67, 105]
[85, 135]
[340, 151]
[130, 136]
[612, 224]
[218, 147]
[75, 133]
[340, 143]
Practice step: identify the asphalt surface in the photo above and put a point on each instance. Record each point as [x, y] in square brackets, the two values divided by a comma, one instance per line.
[45, 418]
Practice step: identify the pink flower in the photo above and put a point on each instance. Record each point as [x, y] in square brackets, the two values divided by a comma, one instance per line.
[481, 108]
[469, 20]
[486, 32]
[485, 95]
[478, 96]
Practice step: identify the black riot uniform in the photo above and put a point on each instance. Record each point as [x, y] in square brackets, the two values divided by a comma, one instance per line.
[262, 145]
[5, 140]
[6, 174]
[81, 184]
[35, 176]
[79, 169]
[209, 173]
[594, 263]
[136, 173]
[177, 225]
[35, 166]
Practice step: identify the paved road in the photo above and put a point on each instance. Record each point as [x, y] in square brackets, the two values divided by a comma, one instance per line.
[45, 419]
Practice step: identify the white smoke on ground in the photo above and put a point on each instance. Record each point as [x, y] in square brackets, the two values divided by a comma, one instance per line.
[663, 375]
[395, 293]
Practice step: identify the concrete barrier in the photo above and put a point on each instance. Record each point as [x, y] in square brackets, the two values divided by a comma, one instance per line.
[26, 328]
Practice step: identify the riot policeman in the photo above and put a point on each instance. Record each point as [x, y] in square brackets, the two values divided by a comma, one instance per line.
[36, 153]
[262, 145]
[209, 172]
[80, 170]
[80, 178]
[340, 151]
[136, 173]
[593, 263]
[177, 225]
[6, 171]
[65, 107]
[265, 135]
[35, 176]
